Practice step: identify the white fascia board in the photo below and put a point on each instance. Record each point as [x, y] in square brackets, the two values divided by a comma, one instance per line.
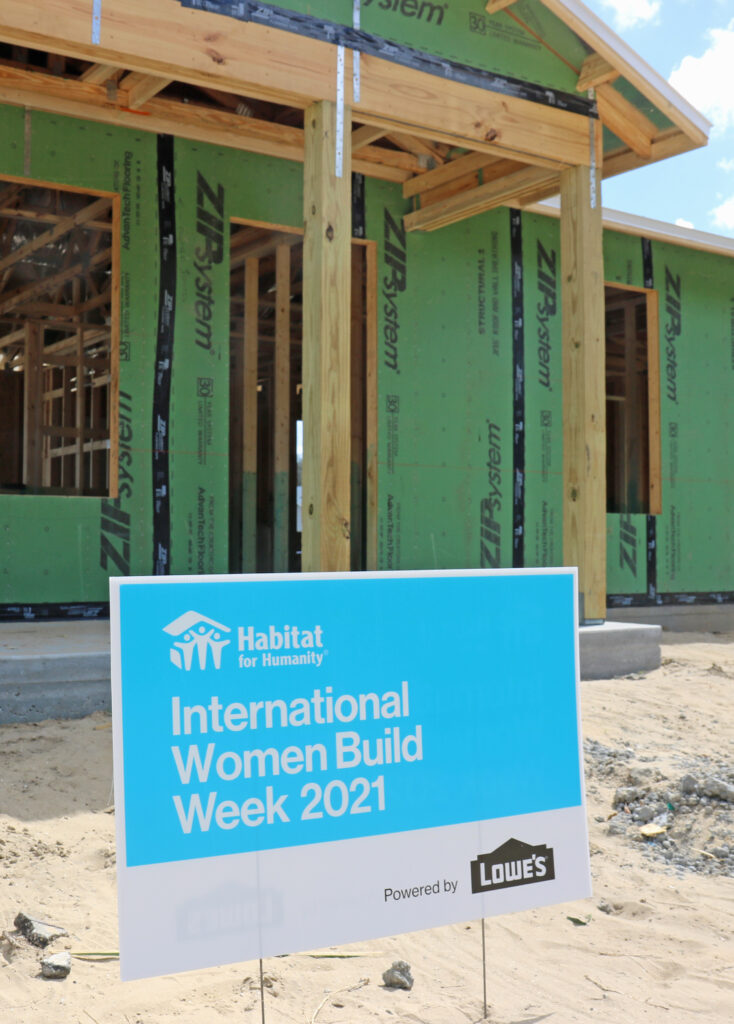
[607, 44]
[645, 227]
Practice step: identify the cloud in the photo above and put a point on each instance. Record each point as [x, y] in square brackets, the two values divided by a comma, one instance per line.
[684, 223]
[708, 81]
[726, 165]
[630, 13]
[723, 215]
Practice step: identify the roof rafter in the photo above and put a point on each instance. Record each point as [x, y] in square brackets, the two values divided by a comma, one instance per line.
[65, 225]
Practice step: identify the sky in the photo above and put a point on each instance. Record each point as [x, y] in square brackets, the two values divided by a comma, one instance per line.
[691, 44]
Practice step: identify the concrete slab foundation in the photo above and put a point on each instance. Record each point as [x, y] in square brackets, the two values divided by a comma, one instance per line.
[62, 669]
[53, 670]
[618, 648]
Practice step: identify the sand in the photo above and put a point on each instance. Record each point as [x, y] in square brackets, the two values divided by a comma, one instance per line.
[653, 944]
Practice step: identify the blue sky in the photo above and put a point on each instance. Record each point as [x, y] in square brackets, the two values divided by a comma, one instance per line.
[691, 44]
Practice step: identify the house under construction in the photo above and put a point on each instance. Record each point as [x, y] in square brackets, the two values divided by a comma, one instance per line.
[279, 291]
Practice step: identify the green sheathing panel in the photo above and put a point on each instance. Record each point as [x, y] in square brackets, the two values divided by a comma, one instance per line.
[58, 549]
[463, 31]
[543, 419]
[12, 120]
[626, 535]
[444, 389]
[695, 539]
[212, 186]
[62, 549]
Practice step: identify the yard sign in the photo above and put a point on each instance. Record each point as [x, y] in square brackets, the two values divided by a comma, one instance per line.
[308, 760]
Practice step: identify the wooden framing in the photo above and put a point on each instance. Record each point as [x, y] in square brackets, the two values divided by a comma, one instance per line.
[282, 424]
[654, 450]
[510, 187]
[256, 61]
[326, 346]
[371, 438]
[249, 418]
[66, 348]
[584, 437]
[263, 412]
[627, 123]
[595, 71]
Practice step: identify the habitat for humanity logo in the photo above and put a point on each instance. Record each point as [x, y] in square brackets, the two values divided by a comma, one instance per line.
[513, 863]
[197, 634]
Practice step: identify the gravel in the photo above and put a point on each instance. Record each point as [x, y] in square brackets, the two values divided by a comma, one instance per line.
[695, 810]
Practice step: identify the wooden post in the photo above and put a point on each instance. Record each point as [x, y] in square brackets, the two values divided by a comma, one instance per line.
[249, 423]
[32, 407]
[326, 342]
[357, 411]
[371, 291]
[584, 420]
[282, 426]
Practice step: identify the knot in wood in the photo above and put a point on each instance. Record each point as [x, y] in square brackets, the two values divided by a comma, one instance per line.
[330, 233]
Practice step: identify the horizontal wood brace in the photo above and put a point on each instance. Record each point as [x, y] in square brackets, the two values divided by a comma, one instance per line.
[202, 124]
[503, 191]
[261, 62]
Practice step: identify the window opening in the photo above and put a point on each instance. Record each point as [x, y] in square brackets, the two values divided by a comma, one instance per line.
[632, 400]
[55, 340]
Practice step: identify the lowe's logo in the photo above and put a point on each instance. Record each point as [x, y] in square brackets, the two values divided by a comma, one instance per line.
[197, 635]
[513, 863]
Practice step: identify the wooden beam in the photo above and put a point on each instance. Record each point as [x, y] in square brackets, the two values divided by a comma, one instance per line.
[596, 34]
[38, 91]
[47, 284]
[584, 421]
[137, 88]
[264, 63]
[64, 225]
[364, 135]
[98, 74]
[41, 217]
[485, 197]
[625, 120]
[449, 172]
[249, 423]
[282, 418]
[595, 71]
[32, 407]
[418, 147]
[371, 410]
[666, 144]
[326, 345]
[493, 6]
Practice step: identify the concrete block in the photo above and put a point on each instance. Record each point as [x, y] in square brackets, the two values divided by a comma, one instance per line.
[617, 649]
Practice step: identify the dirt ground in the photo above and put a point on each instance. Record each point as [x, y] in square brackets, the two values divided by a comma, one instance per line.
[654, 944]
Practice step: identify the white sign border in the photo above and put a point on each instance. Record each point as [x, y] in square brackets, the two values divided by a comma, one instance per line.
[149, 887]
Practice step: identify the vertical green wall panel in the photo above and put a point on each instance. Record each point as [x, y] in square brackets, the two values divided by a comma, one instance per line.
[695, 536]
[445, 388]
[543, 391]
[56, 549]
[245, 186]
[463, 31]
[445, 382]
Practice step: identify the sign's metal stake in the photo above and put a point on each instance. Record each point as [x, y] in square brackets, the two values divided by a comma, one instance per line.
[484, 971]
[262, 993]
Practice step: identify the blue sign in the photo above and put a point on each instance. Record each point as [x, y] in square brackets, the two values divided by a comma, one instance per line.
[266, 713]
